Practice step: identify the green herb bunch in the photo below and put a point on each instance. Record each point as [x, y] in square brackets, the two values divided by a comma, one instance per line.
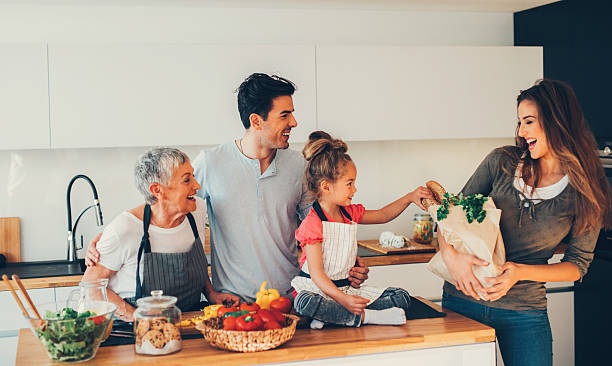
[472, 205]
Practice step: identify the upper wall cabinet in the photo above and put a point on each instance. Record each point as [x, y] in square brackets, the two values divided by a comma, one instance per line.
[24, 102]
[153, 94]
[396, 93]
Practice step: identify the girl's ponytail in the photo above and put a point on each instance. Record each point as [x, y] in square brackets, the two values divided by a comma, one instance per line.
[326, 158]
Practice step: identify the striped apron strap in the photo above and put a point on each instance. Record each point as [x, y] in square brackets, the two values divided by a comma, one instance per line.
[145, 246]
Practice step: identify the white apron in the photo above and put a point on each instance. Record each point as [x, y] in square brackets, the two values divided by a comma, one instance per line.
[339, 248]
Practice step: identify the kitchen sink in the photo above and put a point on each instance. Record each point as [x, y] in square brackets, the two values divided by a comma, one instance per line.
[44, 269]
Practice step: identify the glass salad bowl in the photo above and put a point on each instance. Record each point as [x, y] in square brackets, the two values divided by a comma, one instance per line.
[71, 336]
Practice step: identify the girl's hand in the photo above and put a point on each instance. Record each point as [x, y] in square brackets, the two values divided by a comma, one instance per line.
[416, 195]
[460, 268]
[504, 282]
[353, 303]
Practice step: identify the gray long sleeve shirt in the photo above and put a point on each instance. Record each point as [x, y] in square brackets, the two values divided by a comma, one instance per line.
[253, 218]
[531, 234]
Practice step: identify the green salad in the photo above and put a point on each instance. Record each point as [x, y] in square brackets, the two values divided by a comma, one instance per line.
[71, 336]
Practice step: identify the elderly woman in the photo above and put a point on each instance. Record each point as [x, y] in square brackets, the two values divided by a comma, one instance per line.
[158, 245]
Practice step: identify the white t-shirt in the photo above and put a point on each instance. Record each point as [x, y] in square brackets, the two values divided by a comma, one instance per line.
[541, 193]
[120, 241]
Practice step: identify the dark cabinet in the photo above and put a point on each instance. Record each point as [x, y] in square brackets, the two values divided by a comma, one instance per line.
[577, 40]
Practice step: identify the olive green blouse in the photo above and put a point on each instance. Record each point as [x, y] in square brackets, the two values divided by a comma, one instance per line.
[531, 232]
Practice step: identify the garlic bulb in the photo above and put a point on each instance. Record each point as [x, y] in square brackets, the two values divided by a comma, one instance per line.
[388, 239]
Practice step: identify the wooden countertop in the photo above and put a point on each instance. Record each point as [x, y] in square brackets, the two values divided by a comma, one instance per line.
[390, 259]
[46, 282]
[307, 344]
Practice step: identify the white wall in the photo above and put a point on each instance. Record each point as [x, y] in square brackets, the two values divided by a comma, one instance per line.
[34, 182]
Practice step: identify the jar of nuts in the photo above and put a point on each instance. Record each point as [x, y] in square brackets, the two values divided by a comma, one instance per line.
[155, 325]
[423, 228]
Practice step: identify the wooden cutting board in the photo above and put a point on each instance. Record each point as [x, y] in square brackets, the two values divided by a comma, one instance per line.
[10, 239]
[409, 247]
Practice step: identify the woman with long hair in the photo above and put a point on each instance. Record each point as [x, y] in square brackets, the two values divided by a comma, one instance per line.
[551, 189]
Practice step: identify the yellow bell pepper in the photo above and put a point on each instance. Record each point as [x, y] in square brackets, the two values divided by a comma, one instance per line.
[266, 296]
[211, 311]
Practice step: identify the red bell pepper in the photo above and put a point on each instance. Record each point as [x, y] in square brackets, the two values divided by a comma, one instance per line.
[272, 325]
[249, 322]
[249, 306]
[229, 323]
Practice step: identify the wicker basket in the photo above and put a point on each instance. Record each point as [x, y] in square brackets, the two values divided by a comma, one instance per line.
[242, 341]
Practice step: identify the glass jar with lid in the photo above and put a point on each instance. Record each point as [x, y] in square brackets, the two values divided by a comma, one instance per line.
[423, 228]
[155, 325]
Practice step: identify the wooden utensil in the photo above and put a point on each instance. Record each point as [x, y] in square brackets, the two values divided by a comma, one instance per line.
[10, 240]
[25, 294]
[17, 300]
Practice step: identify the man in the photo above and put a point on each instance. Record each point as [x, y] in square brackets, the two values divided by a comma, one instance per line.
[254, 192]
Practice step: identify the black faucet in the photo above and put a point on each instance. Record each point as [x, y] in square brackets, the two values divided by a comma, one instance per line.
[71, 253]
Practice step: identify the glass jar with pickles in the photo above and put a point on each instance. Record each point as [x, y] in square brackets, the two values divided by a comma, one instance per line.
[423, 228]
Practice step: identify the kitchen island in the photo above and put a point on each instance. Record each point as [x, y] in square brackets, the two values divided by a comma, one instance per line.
[453, 339]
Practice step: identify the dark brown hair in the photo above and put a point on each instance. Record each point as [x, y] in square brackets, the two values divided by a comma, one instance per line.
[570, 140]
[326, 158]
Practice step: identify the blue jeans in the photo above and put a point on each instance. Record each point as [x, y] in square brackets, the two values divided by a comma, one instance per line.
[315, 306]
[524, 336]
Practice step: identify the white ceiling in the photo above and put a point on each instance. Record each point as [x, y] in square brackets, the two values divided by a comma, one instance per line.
[423, 5]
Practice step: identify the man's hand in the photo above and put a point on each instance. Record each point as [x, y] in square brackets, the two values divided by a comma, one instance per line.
[215, 297]
[358, 274]
[92, 257]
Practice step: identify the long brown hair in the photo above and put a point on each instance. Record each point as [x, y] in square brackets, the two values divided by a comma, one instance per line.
[570, 140]
[326, 158]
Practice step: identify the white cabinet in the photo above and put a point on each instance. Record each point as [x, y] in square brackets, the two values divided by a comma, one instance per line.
[8, 350]
[11, 318]
[477, 354]
[399, 93]
[561, 316]
[414, 278]
[156, 94]
[24, 102]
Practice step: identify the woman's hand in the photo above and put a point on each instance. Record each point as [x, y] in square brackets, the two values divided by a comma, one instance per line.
[126, 313]
[504, 282]
[359, 273]
[92, 257]
[215, 297]
[460, 268]
[416, 195]
[353, 303]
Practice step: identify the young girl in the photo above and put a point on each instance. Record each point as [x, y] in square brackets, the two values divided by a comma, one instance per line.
[328, 236]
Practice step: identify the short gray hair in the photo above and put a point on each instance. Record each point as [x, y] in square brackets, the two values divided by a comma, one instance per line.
[156, 166]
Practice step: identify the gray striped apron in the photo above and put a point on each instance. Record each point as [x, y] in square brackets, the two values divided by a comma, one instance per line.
[182, 275]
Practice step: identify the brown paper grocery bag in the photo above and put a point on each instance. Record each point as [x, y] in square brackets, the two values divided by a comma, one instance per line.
[482, 240]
